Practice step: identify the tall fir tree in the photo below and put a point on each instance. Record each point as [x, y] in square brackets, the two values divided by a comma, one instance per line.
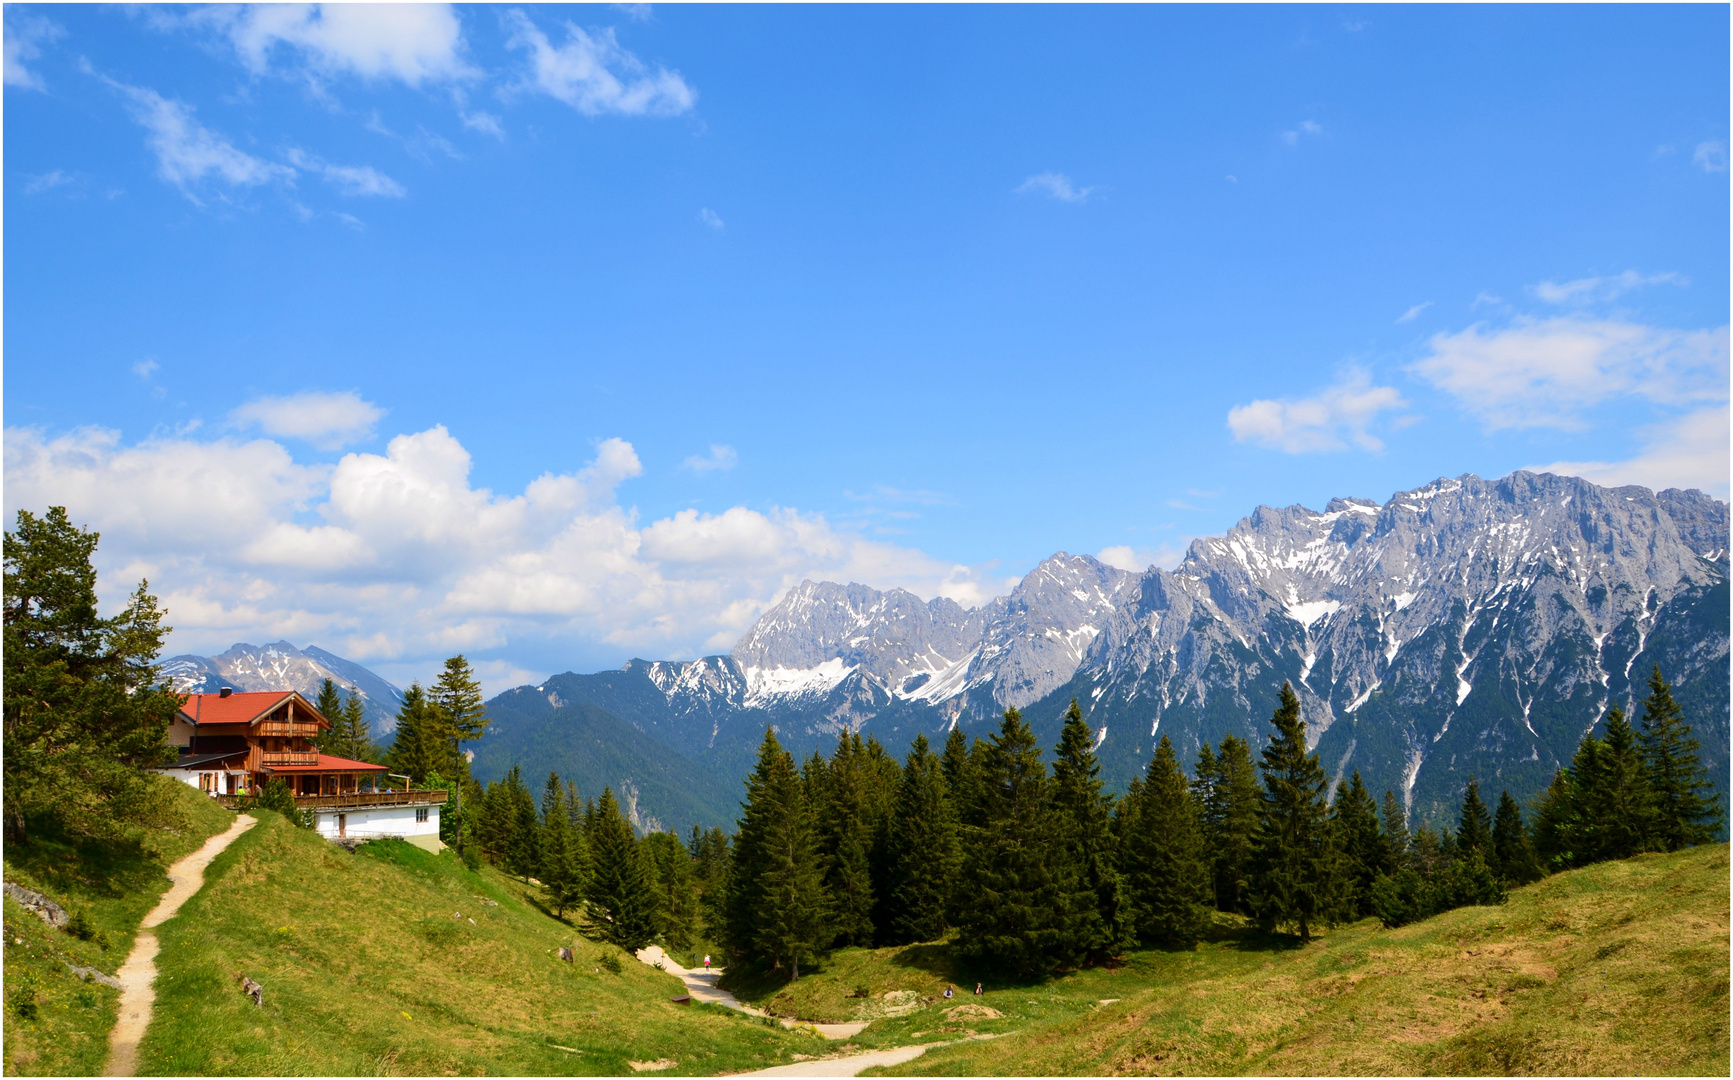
[1615, 802]
[1365, 854]
[1294, 879]
[1679, 788]
[561, 870]
[1166, 871]
[954, 766]
[348, 735]
[675, 888]
[924, 851]
[1011, 909]
[620, 892]
[416, 748]
[1474, 824]
[794, 920]
[1512, 856]
[1232, 822]
[330, 706]
[845, 824]
[1395, 832]
[524, 853]
[1087, 861]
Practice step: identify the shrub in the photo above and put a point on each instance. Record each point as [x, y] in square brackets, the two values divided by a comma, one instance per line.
[610, 962]
[275, 796]
[22, 996]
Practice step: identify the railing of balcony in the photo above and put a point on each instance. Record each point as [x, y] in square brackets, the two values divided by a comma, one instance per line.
[308, 730]
[355, 800]
[296, 758]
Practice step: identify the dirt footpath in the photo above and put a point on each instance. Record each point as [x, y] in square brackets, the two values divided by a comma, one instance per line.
[137, 994]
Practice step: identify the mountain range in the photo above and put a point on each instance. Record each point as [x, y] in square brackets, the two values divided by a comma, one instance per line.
[1466, 628]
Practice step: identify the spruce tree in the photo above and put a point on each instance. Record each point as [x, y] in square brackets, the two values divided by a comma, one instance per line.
[619, 888]
[1395, 832]
[561, 871]
[838, 792]
[954, 764]
[793, 922]
[1086, 861]
[1474, 824]
[1294, 877]
[1679, 787]
[924, 851]
[416, 748]
[1615, 801]
[1238, 805]
[348, 736]
[676, 890]
[523, 854]
[1512, 854]
[1167, 874]
[330, 706]
[1365, 854]
[1010, 909]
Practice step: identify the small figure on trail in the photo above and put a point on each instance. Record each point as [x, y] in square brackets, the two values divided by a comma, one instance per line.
[706, 963]
[978, 989]
[949, 993]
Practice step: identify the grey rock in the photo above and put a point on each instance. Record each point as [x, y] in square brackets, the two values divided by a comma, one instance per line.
[46, 910]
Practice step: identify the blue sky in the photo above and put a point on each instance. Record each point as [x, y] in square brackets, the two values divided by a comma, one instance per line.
[563, 335]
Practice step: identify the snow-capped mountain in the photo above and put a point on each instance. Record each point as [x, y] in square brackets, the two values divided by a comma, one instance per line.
[1467, 627]
[282, 666]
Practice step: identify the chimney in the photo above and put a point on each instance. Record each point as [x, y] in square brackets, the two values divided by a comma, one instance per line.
[225, 691]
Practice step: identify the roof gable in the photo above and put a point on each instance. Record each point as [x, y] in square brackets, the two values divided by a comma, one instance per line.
[244, 708]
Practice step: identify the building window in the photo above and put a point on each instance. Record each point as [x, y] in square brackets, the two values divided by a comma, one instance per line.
[421, 813]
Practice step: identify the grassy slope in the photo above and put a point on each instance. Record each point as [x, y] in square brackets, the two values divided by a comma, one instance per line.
[115, 885]
[1615, 969]
[366, 971]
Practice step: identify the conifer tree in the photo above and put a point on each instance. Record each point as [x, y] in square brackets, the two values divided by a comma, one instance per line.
[1085, 855]
[1615, 798]
[1232, 822]
[1395, 831]
[845, 822]
[1512, 856]
[561, 853]
[793, 922]
[619, 888]
[1683, 813]
[1294, 877]
[1474, 824]
[1555, 835]
[416, 748]
[924, 851]
[1364, 851]
[523, 853]
[330, 706]
[954, 765]
[1010, 910]
[348, 735]
[1167, 875]
[675, 889]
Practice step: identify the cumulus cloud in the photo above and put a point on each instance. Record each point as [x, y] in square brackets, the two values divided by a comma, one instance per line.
[349, 179]
[1137, 560]
[1545, 373]
[1328, 420]
[1687, 452]
[397, 556]
[187, 152]
[1592, 289]
[327, 420]
[411, 43]
[1054, 185]
[24, 37]
[594, 75]
[720, 458]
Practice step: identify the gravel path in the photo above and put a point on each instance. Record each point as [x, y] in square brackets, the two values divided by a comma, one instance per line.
[702, 986]
[137, 995]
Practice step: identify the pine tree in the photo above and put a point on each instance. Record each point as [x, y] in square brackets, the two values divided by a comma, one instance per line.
[1614, 794]
[348, 735]
[1395, 831]
[1010, 909]
[1474, 824]
[1678, 785]
[792, 924]
[330, 706]
[676, 891]
[1293, 880]
[1364, 851]
[619, 888]
[416, 748]
[1512, 855]
[1237, 807]
[924, 850]
[561, 870]
[1167, 875]
[837, 790]
[1087, 861]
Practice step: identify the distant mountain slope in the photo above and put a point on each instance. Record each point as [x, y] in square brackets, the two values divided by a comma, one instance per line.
[282, 666]
[1465, 628]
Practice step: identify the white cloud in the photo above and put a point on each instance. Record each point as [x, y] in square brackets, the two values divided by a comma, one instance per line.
[349, 179]
[594, 75]
[1137, 560]
[24, 38]
[327, 420]
[48, 181]
[1320, 422]
[484, 122]
[1687, 452]
[145, 368]
[1304, 127]
[1413, 313]
[1710, 156]
[187, 152]
[1593, 289]
[1544, 373]
[413, 43]
[721, 457]
[397, 555]
[1056, 185]
[710, 218]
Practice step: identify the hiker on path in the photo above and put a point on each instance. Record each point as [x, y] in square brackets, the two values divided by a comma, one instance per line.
[706, 963]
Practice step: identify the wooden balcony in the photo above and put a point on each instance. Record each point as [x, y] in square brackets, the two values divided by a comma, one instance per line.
[297, 757]
[306, 731]
[355, 800]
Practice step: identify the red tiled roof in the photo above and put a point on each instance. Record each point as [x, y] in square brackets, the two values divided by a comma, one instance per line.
[240, 708]
[327, 763]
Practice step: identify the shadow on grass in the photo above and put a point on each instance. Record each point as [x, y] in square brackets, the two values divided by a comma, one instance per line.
[91, 868]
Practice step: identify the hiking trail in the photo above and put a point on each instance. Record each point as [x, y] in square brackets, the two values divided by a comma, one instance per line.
[137, 994]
